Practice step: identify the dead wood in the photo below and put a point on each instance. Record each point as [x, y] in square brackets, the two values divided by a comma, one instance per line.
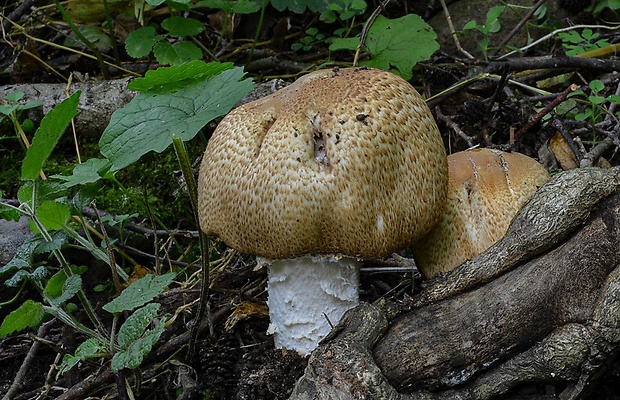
[446, 343]
[553, 317]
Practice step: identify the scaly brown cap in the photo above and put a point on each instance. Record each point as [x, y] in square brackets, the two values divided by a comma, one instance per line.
[486, 189]
[343, 162]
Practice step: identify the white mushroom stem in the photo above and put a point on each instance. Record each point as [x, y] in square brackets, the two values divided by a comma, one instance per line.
[306, 295]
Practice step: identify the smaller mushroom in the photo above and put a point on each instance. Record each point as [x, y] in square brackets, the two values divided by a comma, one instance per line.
[486, 189]
[313, 179]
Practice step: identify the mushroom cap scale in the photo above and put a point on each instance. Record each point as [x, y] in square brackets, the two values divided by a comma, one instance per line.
[340, 162]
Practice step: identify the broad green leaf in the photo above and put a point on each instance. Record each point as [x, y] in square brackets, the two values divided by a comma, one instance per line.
[53, 215]
[149, 121]
[29, 315]
[140, 42]
[89, 171]
[182, 27]
[59, 238]
[89, 349]
[170, 79]
[388, 49]
[14, 97]
[140, 292]
[34, 192]
[176, 54]
[133, 355]
[52, 126]
[136, 324]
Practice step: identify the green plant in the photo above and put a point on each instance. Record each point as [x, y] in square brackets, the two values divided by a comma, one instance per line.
[388, 51]
[491, 25]
[11, 109]
[306, 42]
[208, 91]
[342, 10]
[579, 42]
[595, 102]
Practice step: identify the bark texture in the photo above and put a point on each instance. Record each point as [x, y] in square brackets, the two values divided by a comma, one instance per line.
[547, 310]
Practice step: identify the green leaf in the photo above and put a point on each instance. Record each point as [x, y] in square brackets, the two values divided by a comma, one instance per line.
[14, 97]
[299, 6]
[170, 79]
[176, 54]
[149, 121]
[133, 355]
[89, 349]
[23, 275]
[136, 324]
[23, 256]
[596, 85]
[35, 192]
[388, 49]
[29, 315]
[229, 7]
[492, 24]
[89, 171]
[140, 292]
[140, 42]
[93, 34]
[53, 215]
[52, 126]
[61, 288]
[182, 27]
[9, 214]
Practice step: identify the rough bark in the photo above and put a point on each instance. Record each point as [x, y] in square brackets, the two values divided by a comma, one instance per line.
[446, 343]
[548, 312]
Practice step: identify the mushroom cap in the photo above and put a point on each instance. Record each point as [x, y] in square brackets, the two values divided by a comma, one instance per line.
[486, 189]
[345, 162]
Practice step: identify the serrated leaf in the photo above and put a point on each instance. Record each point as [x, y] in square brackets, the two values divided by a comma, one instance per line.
[149, 121]
[176, 54]
[132, 356]
[29, 315]
[53, 215]
[182, 27]
[89, 171]
[59, 238]
[69, 286]
[88, 349]
[51, 128]
[23, 256]
[388, 49]
[140, 292]
[136, 324]
[140, 42]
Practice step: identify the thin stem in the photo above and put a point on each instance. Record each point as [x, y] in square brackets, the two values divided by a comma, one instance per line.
[261, 19]
[179, 149]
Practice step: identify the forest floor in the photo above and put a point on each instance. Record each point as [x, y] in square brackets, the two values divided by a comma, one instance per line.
[480, 98]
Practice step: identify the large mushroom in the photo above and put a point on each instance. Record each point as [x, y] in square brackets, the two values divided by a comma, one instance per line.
[486, 189]
[340, 166]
